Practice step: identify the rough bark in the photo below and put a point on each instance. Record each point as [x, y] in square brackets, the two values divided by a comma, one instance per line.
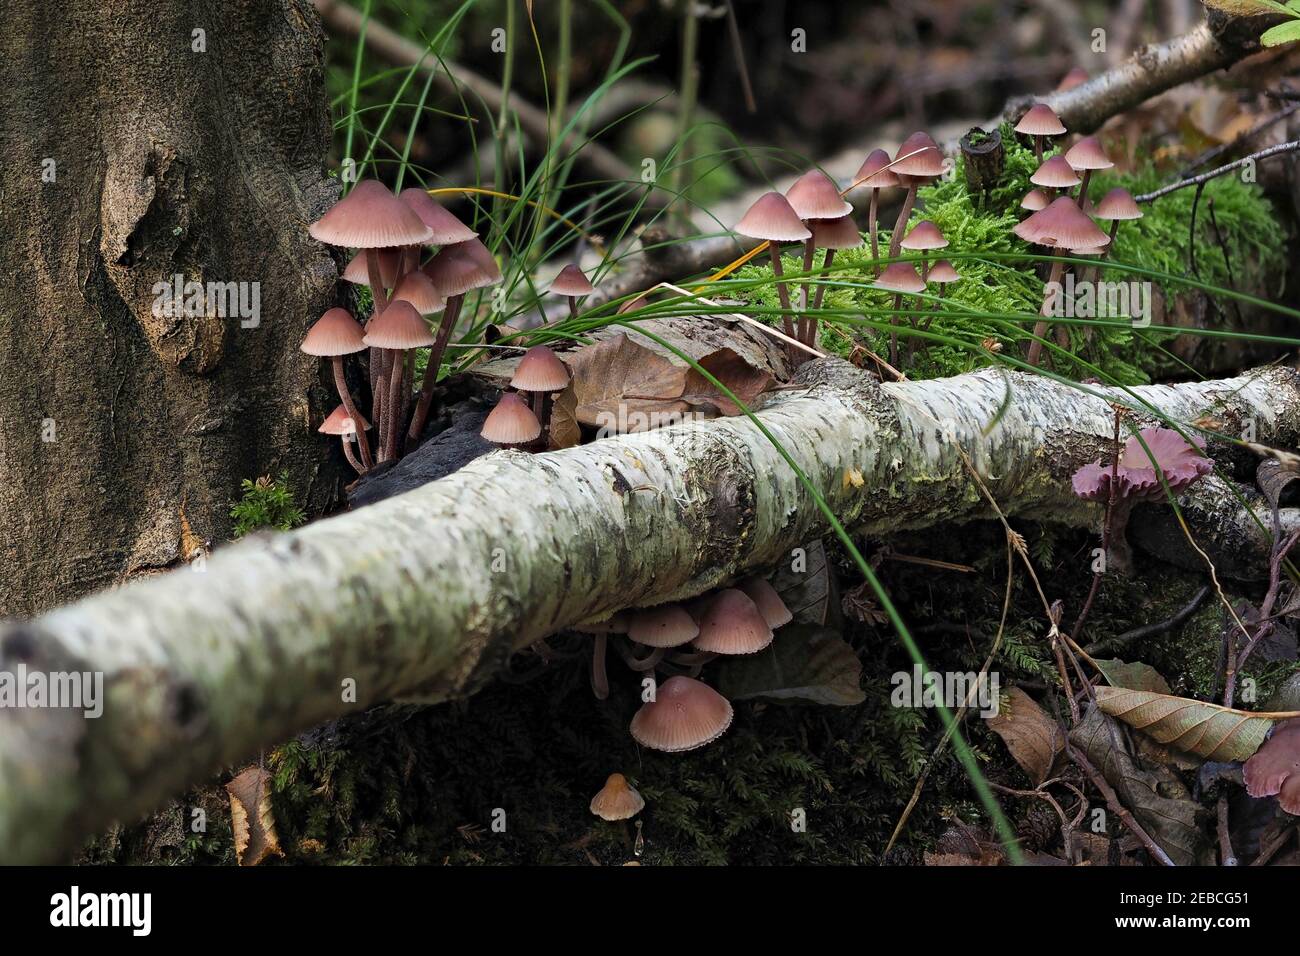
[166, 160]
[424, 595]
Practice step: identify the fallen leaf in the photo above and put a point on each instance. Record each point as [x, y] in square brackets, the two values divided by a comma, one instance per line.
[805, 662]
[729, 368]
[1207, 730]
[251, 817]
[1170, 821]
[606, 376]
[1134, 676]
[563, 430]
[1031, 735]
[806, 585]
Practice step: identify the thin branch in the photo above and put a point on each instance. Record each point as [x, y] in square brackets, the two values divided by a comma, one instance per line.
[1203, 178]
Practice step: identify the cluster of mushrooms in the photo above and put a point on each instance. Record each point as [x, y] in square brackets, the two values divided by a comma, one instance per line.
[390, 233]
[687, 713]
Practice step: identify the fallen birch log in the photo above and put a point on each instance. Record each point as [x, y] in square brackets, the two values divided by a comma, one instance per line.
[424, 595]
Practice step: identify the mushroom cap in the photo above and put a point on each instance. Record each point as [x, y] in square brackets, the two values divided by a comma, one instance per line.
[942, 271]
[1062, 225]
[1180, 463]
[540, 370]
[339, 422]
[774, 219]
[358, 273]
[924, 235]
[733, 624]
[512, 422]
[370, 217]
[1275, 767]
[667, 625]
[767, 600]
[1118, 204]
[1040, 120]
[875, 172]
[419, 290]
[447, 229]
[1089, 251]
[462, 268]
[1034, 200]
[334, 333]
[839, 233]
[685, 714]
[398, 327]
[926, 164]
[814, 195]
[617, 800]
[1076, 77]
[572, 282]
[1088, 154]
[1055, 173]
[900, 277]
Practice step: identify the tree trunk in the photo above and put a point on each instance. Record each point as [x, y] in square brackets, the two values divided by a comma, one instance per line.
[144, 140]
[424, 595]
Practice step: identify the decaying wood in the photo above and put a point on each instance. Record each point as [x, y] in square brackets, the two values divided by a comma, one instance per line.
[424, 595]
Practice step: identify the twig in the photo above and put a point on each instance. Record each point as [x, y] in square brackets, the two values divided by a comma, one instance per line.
[1278, 150]
[1117, 808]
[1224, 148]
[1151, 630]
[1226, 855]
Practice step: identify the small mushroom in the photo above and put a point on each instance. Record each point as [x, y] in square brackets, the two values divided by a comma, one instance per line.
[1137, 478]
[397, 329]
[1116, 206]
[540, 372]
[334, 335]
[1274, 770]
[1034, 200]
[830, 234]
[511, 422]
[1040, 123]
[1055, 174]
[667, 625]
[686, 714]
[572, 283]
[813, 196]
[875, 174]
[348, 427]
[773, 219]
[767, 600]
[617, 800]
[918, 161]
[447, 229]
[1085, 156]
[733, 624]
[1077, 76]
[358, 273]
[900, 278]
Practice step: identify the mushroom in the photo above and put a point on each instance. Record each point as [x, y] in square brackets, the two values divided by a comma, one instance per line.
[1116, 206]
[875, 174]
[358, 273]
[454, 271]
[617, 800]
[1055, 174]
[1136, 474]
[733, 624]
[1040, 123]
[1274, 770]
[923, 237]
[1062, 225]
[343, 423]
[334, 335]
[830, 234]
[1077, 76]
[419, 290]
[447, 229]
[511, 422]
[943, 273]
[667, 625]
[901, 278]
[773, 219]
[767, 600]
[371, 218]
[572, 283]
[540, 372]
[917, 161]
[397, 329]
[1034, 200]
[813, 196]
[686, 714]
[1085, 156]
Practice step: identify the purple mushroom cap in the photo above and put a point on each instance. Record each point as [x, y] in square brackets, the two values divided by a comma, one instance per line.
[1181, 464]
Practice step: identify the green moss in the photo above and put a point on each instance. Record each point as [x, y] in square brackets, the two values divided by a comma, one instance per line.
[266, 503]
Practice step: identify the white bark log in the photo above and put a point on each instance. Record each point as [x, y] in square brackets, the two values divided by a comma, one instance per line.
[424, 595]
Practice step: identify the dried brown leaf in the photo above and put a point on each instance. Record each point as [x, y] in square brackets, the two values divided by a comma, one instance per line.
[252, 818]
[616, 379]
[1031, 735]
[731, 369]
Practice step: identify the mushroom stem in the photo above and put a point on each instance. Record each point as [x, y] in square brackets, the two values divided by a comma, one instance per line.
[449, 316]
[647, 663]
[871, 227]
[904, 214]
[345, 397]
[827, 258]
[783, 294]
[380, 297]
[1083, 188]
[1038, 149]
[396, 360]
[599, 679]
[809, 251]
[1040, 327]
[573, 306]
[893, 335]
[1114, 230]
[348, 454]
